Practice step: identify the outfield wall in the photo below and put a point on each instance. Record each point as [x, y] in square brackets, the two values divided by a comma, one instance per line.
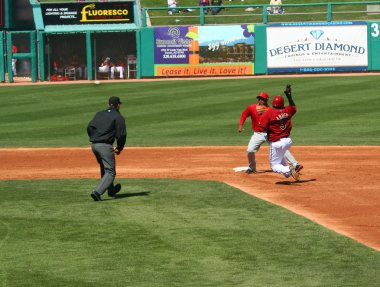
[248, 49]
[374, 46]
[231, 50]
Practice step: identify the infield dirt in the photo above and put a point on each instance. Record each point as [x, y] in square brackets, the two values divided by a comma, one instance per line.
[339, 187]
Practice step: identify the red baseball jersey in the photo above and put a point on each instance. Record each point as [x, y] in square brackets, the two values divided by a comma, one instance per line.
[277, 122]
[252, 111]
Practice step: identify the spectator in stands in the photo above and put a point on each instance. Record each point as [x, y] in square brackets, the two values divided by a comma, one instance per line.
[275, 9]
[58, 65]
[172, 4]
[80, 68]
[14, 61]
[104, 65]
[73, 63]
[216, 10]
[119, 67]
[82, 71]
[204, 3]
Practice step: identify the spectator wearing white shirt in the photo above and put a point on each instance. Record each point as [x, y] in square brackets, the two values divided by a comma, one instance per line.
[173, 5]
[275, 9]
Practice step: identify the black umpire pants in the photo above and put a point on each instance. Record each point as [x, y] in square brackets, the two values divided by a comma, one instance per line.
[105, 156]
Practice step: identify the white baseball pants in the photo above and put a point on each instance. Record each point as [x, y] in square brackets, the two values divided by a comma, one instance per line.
[276, 156]
[119, 69]
[254, 145]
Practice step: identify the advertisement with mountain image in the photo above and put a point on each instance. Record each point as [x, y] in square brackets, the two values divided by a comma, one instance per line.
[204, 50]
[227, 44]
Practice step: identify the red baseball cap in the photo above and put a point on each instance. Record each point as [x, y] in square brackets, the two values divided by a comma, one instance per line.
[263, 95]
[278, 102]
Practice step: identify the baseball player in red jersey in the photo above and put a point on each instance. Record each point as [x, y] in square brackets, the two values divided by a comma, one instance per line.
[255, 111]
[277, 123]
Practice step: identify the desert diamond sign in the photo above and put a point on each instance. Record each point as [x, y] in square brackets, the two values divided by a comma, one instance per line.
[317, 47]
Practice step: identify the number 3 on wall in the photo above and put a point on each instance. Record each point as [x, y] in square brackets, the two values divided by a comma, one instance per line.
[375, 30]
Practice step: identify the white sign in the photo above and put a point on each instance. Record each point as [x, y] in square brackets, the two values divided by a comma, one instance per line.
[321, 48]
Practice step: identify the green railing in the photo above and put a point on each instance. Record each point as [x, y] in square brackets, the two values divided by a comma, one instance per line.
[234, 14]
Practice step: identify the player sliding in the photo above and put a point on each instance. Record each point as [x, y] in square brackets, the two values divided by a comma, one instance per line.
[255, 111]
[277, 123]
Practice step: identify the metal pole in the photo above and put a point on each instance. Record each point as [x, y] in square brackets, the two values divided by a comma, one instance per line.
[33, 57]
[143, 17]
[89, 58]
[9, 56]
[49, 56]
[41, 55]
[202, 15]
[7, 13]
[138, 73]
[2, 62]
[329, 12]
[265, 14]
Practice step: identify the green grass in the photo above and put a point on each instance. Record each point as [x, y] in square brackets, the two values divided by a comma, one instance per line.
[234, 15]
[331, 111]
[176, 233]
[167, 233]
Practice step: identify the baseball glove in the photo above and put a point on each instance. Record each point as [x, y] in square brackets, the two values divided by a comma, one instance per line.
[261, 109]
[288, 90]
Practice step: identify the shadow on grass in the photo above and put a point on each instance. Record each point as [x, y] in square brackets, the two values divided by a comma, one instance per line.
[126, 195]
[287, 182]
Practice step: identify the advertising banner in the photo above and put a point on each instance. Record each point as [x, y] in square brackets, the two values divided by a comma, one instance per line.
[317, 47]
[87, 13]
[1, 13]
[204, 51]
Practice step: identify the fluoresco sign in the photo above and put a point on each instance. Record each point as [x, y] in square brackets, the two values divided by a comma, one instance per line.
[312, 47]
[91, 14]
[87, 13]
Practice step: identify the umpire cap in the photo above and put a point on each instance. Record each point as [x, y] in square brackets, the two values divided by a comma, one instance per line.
[114, 101]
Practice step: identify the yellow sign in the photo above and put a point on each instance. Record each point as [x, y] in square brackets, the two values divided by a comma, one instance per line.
[91, 14]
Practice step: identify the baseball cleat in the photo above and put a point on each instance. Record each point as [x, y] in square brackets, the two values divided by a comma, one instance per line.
[298, 168]
[113, 190]
[96, 196]
[250, 170]
[294, 173]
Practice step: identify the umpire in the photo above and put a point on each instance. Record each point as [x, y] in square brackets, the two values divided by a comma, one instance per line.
[103, 129]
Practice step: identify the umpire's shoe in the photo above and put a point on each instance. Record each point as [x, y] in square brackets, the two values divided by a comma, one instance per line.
[96, 196]
[250, 170]
[113, 190]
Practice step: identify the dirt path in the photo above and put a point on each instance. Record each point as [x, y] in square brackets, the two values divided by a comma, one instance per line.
[339, 187]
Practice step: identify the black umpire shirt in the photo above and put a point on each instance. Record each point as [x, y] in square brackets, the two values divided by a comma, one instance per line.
[107, 126]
